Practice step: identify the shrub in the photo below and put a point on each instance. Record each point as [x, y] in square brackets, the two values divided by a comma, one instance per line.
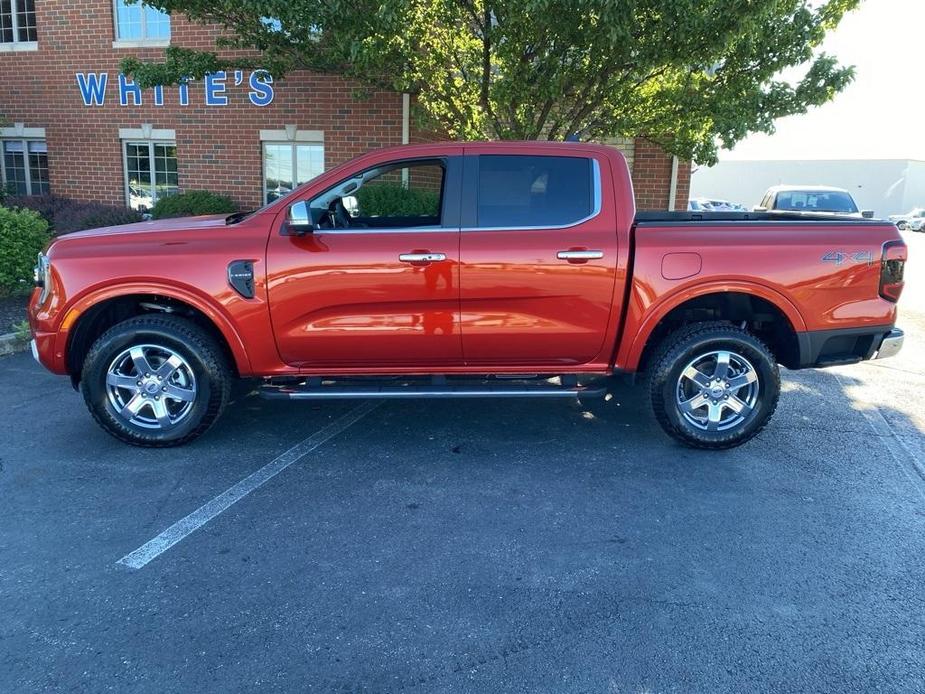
[394, 200]
[65, 215]
[191, 203]
[23, 235]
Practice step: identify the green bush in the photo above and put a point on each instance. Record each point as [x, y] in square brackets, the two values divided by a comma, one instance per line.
[394, 200]
[65, 215]
[23, 235]
[191, 203]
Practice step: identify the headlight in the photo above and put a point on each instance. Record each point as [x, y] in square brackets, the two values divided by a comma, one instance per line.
[42, 275]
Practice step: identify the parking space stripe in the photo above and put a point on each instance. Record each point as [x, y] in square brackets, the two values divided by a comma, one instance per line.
[179, 530]
[905, 457]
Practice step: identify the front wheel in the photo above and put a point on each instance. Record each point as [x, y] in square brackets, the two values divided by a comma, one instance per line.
[156, 381]
[713, 385]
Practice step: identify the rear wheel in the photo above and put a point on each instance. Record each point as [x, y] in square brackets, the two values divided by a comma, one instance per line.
[713, 385]
[156, 381]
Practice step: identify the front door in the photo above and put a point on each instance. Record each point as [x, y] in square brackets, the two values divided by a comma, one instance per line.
[377, 283]
[538, 253]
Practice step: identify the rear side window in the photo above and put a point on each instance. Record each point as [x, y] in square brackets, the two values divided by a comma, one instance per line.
[528, 191]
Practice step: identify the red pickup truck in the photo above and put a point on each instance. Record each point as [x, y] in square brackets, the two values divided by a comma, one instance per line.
[506, 269]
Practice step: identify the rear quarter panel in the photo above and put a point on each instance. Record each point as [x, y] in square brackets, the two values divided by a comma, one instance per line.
[820, 275]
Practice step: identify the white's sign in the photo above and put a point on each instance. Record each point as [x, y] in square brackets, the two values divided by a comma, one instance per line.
[93, 86]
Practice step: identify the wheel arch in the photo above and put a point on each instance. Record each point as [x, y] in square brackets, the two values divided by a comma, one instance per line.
[767, 312]
[95, 313]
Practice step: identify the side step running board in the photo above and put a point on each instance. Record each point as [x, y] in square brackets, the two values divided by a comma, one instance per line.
[397, 392]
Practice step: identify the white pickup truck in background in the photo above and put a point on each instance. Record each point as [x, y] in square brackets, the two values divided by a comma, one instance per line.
[810, 200]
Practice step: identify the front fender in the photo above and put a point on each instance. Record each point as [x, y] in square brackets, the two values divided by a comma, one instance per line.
[203, 303]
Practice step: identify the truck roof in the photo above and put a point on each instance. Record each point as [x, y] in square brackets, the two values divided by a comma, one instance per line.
[807, 189]
[505, 145]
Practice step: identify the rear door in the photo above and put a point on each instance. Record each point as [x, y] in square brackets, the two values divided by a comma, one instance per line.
[378, 285]
[538, 252]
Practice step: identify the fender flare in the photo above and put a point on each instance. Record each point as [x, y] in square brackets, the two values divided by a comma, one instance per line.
[661, 309]
[206, 305]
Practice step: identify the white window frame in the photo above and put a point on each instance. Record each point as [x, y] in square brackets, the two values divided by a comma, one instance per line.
[16, 45]
[144, 41]
[292, 137]
[150, 136]
[19, 133]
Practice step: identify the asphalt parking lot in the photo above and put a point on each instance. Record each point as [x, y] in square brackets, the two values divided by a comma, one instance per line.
[474, 545]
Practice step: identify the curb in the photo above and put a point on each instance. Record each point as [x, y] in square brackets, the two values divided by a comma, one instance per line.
[11, 343]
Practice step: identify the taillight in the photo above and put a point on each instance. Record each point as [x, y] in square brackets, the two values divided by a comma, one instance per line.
[892, 265]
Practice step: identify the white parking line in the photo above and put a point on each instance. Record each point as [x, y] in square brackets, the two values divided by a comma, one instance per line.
[899, 450]
[176, 532]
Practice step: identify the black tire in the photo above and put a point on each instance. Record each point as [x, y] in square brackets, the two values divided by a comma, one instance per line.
[204, 380]
[901, 226]
[667, 387]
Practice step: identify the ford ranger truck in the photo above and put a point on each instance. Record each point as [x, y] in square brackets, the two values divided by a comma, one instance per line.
[459, 270]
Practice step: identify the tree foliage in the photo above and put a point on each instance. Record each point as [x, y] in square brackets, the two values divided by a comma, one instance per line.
[689, 74]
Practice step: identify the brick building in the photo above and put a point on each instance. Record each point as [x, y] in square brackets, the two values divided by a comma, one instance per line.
[74, 126]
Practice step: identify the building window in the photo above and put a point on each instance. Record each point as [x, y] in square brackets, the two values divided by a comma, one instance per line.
[287, 165]
[139, 23]
[25, 167]
[17, 21]
[150, 172]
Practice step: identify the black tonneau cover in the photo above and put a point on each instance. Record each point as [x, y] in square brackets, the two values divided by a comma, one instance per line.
[659, 218]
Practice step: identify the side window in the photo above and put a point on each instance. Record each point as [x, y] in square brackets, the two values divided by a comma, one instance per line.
[137, 21]
[288, 165]
[534, 191]
[25, 167]
[17, 21]
[391, 196]
[150, 172]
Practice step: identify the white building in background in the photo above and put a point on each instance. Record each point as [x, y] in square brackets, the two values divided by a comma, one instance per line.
[886, 186]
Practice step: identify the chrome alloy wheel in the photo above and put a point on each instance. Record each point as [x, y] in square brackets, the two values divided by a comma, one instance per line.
[151, 386]
[717, 390]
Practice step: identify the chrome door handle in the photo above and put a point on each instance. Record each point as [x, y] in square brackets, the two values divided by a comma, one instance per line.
[422, 257]
[580, 255]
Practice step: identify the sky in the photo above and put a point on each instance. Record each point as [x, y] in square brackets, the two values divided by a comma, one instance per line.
[881, 115]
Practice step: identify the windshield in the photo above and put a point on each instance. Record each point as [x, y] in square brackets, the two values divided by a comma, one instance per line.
[815, 201]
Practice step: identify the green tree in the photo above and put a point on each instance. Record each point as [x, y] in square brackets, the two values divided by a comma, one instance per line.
[689, 74]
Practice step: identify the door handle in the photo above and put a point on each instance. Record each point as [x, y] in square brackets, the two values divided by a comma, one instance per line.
[422, 257]
[579, 255]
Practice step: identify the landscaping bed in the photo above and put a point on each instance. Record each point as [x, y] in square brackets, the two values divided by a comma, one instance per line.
[12, 311]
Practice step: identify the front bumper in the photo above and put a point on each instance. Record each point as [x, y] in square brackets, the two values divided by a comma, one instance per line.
[891, 344]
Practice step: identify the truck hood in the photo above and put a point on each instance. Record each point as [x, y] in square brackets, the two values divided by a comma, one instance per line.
[154, 226]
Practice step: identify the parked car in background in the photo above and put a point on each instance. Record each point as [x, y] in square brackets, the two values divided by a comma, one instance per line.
[714, 205]
[810, 200]
[903, 220]
[915, 224]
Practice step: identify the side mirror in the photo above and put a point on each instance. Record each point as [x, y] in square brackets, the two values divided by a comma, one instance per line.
[867, 214]
[759, 208]
[299, 218]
